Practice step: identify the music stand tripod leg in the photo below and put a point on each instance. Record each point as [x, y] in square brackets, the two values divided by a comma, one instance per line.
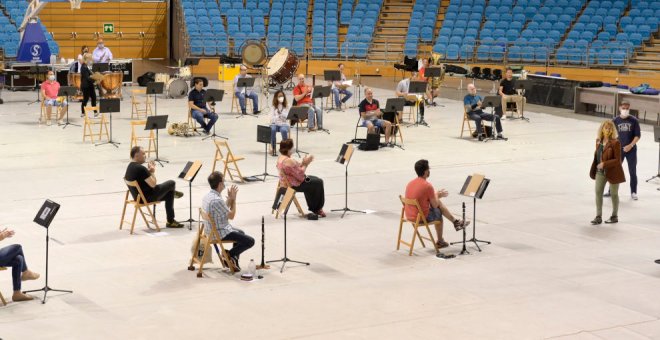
[285, 259]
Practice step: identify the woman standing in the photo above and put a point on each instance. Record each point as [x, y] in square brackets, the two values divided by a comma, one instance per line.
[83, 50]
[12, 256]
[278, 122]
[292, 173]
[87, 84]
[606, 167]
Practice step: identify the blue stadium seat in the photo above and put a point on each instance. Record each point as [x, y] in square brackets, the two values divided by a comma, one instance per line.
[453, 52]
[618, 58]
[483, 52]
[604, 57]
[636, 39]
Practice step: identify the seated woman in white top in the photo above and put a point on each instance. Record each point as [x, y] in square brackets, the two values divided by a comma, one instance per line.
[278, 122]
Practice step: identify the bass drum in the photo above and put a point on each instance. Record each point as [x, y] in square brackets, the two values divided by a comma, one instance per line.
[74, 80]
[282, 66]
[253, 53]
[177, 88]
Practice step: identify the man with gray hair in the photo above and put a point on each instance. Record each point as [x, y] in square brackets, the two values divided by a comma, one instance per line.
[473, 106]
[243, 93]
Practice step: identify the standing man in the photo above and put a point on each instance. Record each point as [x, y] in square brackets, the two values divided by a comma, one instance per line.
[221, 212]
[49, 90]
[429, 200]
[198, 108]
[339, 88]
[629, 134]
[473, 106]
[146, 179]
[302, 93]
[245, 92]
[101, 53]
[509, 93]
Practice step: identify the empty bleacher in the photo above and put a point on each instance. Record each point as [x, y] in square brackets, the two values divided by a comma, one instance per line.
[12, 13]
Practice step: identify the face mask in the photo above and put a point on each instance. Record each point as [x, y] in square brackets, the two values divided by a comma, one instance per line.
[280, 99]
[625, 113]
[51, 78]
[100, 45]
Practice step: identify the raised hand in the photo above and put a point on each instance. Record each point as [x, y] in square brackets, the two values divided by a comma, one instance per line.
[232, 192]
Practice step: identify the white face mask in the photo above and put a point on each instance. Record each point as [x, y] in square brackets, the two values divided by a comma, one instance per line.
[625, 113]
[51, 78]
[100, 45]
[280, 99]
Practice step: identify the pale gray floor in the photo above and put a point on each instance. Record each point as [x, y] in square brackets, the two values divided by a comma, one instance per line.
[548, 273]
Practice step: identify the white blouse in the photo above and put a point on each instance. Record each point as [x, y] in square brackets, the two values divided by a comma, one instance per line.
[279, 114]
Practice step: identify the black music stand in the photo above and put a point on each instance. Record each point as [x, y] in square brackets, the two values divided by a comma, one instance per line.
[332, 76]
[211, 96]
[155, 88]
[283, 199]
[299, 113]
[418, 87]
[321, 92]
[475, 186]
[44, 217]
[492, 102]
[345, 154]
[101, 67]
[433, 72]
[67, 91]
[192, 62]
[263, 136]
[656, 137]
[157, 123]
[245, 83]
[188, 174]
[109, 106]
[392, 107]
[524, 86]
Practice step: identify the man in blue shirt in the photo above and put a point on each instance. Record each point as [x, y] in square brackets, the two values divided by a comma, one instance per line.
[473, 107]
[629, 133]
[197, 105]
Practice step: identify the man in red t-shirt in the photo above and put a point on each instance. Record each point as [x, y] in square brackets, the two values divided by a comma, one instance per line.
[302, 93]
[371, 115]
[49, 90]
[429, 200]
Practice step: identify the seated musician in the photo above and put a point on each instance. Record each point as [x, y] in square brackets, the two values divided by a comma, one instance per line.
[245, 92]
[101, 53]
[221, 212]
[473, 106]
[371, 115]
[49, 90]
[146, 179]
[302, 93]
[278, 122]
[12, 256]
[411, 100]
[509, 93]
[199, 108]
[429, 201]
[293, 173]
[338, 88]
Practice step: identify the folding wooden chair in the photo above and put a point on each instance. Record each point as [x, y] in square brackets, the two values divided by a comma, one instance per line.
[135, 138]
[295, 200]
[467, 121]
[214, 239]
[139, 203]
[89, 122]
[139, 107]
[229, 160]
[236, 105]
[419, 221]
[2, 298]
[192, 123]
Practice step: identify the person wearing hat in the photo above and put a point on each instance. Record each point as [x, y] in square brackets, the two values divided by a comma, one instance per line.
[629, 132]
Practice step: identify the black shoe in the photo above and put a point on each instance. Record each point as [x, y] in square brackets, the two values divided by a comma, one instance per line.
[481, 137]
[178, 194]
[500, 136]
[174, 224]
[613, 219]
[597, 220]
[206, 132]
[234, 261]
[256, 112]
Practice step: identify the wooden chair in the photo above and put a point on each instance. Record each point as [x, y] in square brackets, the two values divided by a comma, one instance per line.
[53, 115]
[419, 221]
[2, 298]
[229, 160]
[192, 123]
[89, 123]
[513, 107]
[139, 107]
[467, 121]
[214, 239]
[139, 203]
[295, 200]
[135, 138]
[236, 105]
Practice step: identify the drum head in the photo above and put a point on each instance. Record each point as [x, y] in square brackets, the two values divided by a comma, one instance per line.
[177, 88]
[254, 53]
[277, 61]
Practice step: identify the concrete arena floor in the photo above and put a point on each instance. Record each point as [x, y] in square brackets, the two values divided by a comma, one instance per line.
[548, 273]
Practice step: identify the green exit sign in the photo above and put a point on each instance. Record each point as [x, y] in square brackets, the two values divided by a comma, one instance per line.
[108, 28]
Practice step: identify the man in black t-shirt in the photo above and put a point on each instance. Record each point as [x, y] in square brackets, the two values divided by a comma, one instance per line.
[370, 113]
[509, 93]
[146, 179]
[197, 105]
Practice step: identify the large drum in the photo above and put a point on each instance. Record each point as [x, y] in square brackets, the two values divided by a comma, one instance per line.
[111, 83]
[177, 88]
[74, 80]
[282, 66]
[253, 53]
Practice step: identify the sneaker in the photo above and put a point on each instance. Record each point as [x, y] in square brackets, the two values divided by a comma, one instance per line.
[634, 196]
[390, 144]
[206, 132]
[18, 297]
[311, 129]
[174, 224]
[442, 244]
[60, 122]
[460, 224]
[613, 219]
[29, 275]
[234, 262]
[423, 122]
[597, 220]
[256, 112]
[178, 194]
[500, 136]
[481, 137]
[607, 194]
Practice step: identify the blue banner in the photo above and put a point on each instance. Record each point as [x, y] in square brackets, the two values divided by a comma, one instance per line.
[33, 47]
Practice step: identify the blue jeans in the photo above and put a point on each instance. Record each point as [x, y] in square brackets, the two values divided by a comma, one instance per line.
[241, 100]
[347, 95]
[314, 114]
[12, 256]
[199, 117]
[283, 129]
[631, 158]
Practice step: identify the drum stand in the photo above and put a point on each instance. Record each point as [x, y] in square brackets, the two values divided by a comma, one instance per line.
[264, 89]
